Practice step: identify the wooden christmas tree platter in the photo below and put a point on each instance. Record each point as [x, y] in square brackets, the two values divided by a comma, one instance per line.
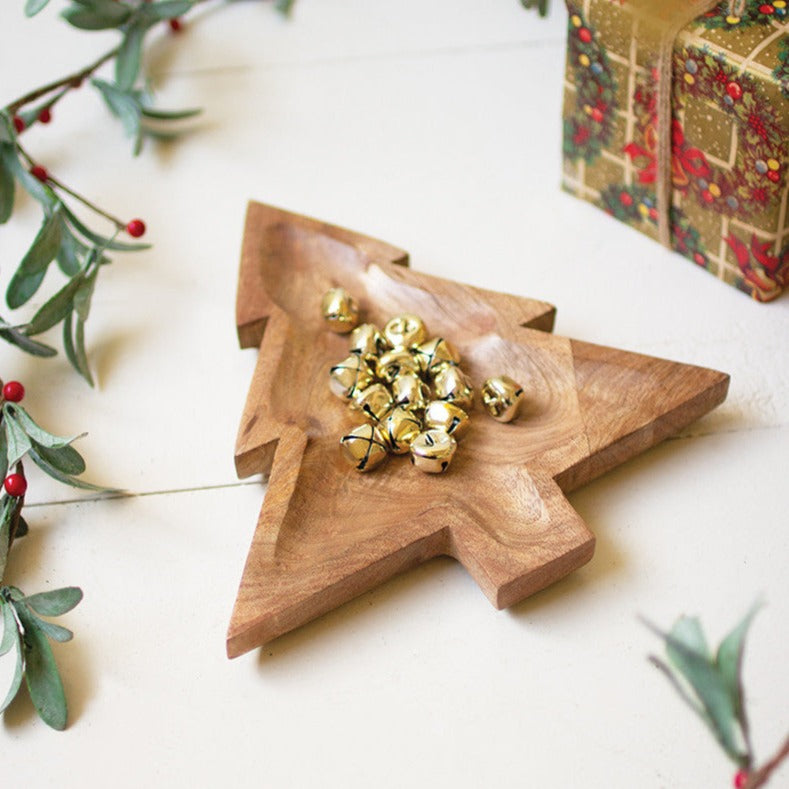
[327, 533]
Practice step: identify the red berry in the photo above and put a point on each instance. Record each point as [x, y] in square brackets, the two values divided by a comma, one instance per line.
[707, 196]
[734, 90]
[13, 391]
[597, 115]
[175, 25]
[766, 9]
[19, 124]
[45, 116]
[653, 214]
[699, 258]
[774, 176]
[740, 779]
[37, 171]
[135, 228]
[585, 34]
[626, 199]
[15, 485]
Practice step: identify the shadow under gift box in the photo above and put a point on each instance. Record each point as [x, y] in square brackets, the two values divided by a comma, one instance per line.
[729, 134]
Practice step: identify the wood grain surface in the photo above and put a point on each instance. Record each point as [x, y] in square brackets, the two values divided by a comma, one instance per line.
[327, 533]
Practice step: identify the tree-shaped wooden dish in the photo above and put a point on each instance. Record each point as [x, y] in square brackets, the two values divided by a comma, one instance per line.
[327, 533]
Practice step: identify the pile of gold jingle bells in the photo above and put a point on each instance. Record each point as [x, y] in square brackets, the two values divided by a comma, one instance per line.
[409, 389]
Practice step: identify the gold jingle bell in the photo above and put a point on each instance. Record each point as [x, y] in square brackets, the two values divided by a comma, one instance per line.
[340, 310]
[502, 398]
[435, 354]
[410, 391]
[432, 451]
[374, 402]
[405, 331]
[400, 428]
[350, 376]
[367, 340]
[394, 363]
[364, 447]
[453, 385]
[441, 415]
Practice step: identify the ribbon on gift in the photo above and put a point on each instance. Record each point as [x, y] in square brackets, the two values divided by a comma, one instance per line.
[660, 22]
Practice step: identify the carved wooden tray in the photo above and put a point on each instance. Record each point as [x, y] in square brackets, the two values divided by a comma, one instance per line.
[327, 533]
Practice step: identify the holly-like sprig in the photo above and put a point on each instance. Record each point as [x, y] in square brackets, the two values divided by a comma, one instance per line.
[710, 683]
[63, 237]
[25, 634]
[79, 251]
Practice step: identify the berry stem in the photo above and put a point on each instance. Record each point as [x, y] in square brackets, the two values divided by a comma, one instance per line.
[71, 81]
[760, 776]
[69, 191]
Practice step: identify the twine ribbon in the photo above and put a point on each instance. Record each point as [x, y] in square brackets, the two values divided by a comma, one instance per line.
[659, 25]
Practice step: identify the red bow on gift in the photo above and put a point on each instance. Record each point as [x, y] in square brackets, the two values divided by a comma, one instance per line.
[684, 158]
[774, 267]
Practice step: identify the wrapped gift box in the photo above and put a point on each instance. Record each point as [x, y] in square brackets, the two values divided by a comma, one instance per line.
[729, 133]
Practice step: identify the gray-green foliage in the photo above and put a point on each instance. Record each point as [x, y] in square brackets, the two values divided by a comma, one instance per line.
[63, 237]
[710, 683]
[25, 638]
[21, 436]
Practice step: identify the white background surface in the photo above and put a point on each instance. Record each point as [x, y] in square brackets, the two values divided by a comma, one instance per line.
[434, 126]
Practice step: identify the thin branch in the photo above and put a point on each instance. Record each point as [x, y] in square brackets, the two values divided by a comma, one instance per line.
[71, 81]
[762, 775]
[69, 191]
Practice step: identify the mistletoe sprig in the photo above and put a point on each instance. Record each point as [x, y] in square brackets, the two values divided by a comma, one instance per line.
[63, 237]
[711, 685]
[25, 633]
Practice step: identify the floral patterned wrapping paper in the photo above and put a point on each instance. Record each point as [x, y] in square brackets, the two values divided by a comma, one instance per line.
[729, 135]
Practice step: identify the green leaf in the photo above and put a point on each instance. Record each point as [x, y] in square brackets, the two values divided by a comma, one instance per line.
[53, 311]
[55, 473]
[7, 130]
[30, 272]
[78, 351]
[10, 632]
[100, 16]
[68, 256]
[729, 662]
[96, 238]
[18, 441]
[32, 7]
[169, 115]
[702, 675]
[129, 57]
[16, 681]
[12, 335]
[284, 6]
[55, 632]
[167, 9]
[83, 296]
[65, 459]
[7, 189]
[35, 431]
[55, 602]
[41, 673]
[123, 104]
[687, 630]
